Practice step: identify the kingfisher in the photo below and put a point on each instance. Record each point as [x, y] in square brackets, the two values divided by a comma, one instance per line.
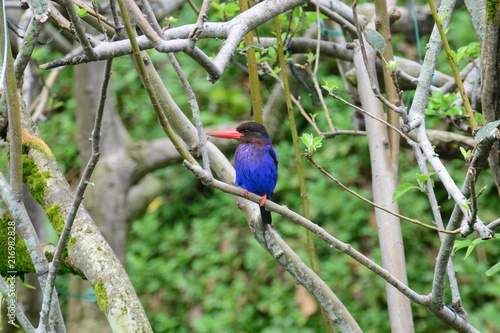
[255, 161]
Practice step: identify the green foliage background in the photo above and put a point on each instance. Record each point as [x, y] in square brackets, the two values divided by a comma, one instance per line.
[192, 258]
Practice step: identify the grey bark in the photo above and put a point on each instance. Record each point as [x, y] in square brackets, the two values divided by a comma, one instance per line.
[385, 182]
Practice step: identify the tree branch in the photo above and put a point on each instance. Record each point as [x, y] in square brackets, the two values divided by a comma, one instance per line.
[177, 39]
[490, 86]
[25, 229]
[78, 27]
[6, 290]
[82, 186]
[314, 228]
[195, 109]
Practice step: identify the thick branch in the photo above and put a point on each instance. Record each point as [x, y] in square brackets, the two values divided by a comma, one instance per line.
[178, 39]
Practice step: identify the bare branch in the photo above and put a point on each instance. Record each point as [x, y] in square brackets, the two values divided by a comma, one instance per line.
[25, 229]
[195, 109]
[417, 222]
[10, 295]
[311, 226]
[177, 39]
[82, 186]
[78, 27]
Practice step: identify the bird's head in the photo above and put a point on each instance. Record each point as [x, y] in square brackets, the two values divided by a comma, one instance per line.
[245, 132]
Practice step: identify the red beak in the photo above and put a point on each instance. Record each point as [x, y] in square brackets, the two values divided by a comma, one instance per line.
[226, 134]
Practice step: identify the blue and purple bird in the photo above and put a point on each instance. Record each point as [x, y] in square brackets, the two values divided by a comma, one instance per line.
[255, 161]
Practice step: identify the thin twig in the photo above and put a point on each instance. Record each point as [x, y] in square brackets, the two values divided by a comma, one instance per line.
[392, 91]
[100, 23]
[453, 65]
[29, 42]
[407, 138]
[297, 103]
[39, 105]
[300, 171]
[192, 4]
[78, 27]
[399, 109]
[195, 109]
[141, 69]
[318, 40]
[313, 73]
[10, 295]
[471, 174]
[326, 135]
[143, 23]
[82, 186]
[494, 224]
[25, 229]
[95, 13]
[253, 72]
[311, 226]
[438, 221]
[329, 135]
[151, 16]
[320, 168]
[67, 26]
[14, 112]
[117, 20]
[202, 18]
[337, 18]
[320, 95]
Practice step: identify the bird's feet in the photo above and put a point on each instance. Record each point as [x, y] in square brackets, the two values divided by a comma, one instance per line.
[263, 200]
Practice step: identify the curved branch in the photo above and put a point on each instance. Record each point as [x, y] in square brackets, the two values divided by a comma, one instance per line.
[178, 39]
[314, 228]
[87, 249]
[78, 27]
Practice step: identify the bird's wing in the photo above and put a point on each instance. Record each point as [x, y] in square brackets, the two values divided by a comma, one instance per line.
[273, 154]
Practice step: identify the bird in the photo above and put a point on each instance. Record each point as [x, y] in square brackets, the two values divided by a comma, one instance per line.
[255, 161]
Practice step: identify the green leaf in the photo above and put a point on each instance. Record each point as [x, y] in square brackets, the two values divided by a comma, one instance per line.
[330, 86]
[311, 57]
[401, 190]
[467, 154]
[392, 65]
[375, 40]
[172, 19]
[317, 142]
[460, 244]
[254, 46]
[469, 52]
[82, 12]
[312, 143]
[421, 177]
[453, 55]
[27, 285]
[443, 16]
[307, 139]
[470, 245]
[469, 251]
[493, 270]
[486, 130]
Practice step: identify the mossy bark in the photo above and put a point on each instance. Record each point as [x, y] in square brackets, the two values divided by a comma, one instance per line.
[87, 250]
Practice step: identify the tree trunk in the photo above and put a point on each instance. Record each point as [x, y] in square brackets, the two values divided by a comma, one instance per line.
[384, 177]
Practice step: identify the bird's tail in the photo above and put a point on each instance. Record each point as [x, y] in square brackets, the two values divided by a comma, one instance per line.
[266, 216]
